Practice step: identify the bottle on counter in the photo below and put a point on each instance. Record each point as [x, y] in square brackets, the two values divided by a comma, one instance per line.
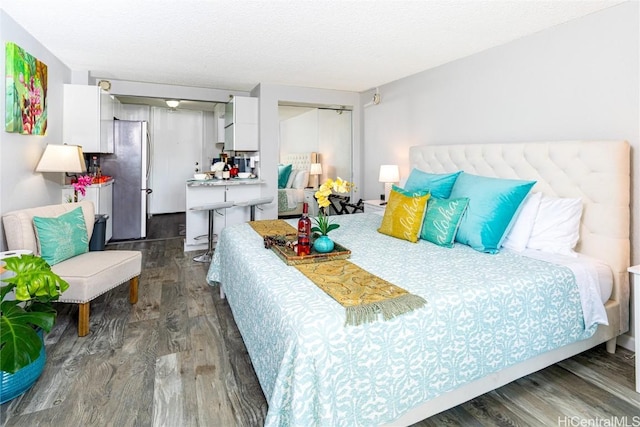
[304, 232]
[93, 168]
[226, 171]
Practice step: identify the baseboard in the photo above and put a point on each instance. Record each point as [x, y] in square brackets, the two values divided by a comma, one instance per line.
[627, 341]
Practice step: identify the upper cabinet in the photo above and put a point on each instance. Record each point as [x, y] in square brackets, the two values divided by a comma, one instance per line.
[241, 124]
[87, 120]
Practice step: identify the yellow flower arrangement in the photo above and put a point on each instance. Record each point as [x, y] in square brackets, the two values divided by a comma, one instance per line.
[329, 187]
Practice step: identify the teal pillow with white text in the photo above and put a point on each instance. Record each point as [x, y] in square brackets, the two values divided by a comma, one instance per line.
[62, 237]
[442, 220]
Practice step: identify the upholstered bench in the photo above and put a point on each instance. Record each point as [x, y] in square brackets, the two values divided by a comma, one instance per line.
[89, 274]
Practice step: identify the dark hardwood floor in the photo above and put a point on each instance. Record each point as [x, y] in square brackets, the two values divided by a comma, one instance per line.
[176, 359]
[166, 226]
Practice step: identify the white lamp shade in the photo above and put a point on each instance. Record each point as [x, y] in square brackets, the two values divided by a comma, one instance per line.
[389, 173]
[172, 103]
[315, 169]
[62, 158]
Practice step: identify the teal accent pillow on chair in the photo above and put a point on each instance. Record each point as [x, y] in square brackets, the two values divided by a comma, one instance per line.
[283, 175]
[493, 202]
[438, 184]
[62, 237]
[442, 220]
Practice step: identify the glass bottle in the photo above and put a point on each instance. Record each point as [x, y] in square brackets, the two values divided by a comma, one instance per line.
[226, 172]
[304, 232]
[93, 169]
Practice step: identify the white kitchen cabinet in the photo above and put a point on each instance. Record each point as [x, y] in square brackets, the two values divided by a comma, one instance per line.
[102, 197]
[197, 221]
[241, 124]
[87, 118]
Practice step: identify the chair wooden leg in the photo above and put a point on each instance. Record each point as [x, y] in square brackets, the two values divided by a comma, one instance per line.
[133, 290]
[83, 319]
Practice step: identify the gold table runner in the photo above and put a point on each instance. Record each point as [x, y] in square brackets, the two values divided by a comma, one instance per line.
[363, 295]
[272, 227]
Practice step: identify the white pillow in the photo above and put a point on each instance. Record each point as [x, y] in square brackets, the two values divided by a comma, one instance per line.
[557, 226]
[302, 179]
[292, 176]
[520, 232]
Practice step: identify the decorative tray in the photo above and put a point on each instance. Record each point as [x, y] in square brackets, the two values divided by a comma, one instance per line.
[283, 246]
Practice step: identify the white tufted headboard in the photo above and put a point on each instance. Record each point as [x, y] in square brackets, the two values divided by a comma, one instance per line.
[596, 171]
[300, 161]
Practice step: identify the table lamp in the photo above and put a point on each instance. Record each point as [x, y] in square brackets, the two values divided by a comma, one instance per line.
[315, 170]
[62, 158]
[389, 174]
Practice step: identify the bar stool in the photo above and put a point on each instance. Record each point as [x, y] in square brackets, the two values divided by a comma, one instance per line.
[211, 208]
[252, 203]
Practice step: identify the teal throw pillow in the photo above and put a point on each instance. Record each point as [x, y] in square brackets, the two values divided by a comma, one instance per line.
[493, 203]
[442, 220]
[283, 175]
[62, 237]
[438, 184]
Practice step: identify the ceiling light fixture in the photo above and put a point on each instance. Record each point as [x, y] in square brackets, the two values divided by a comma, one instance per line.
[172, 103]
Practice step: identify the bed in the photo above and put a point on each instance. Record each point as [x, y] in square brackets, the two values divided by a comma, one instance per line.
[291, 197]
[488, 319]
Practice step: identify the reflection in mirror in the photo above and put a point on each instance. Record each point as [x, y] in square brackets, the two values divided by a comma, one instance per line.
[325, 131]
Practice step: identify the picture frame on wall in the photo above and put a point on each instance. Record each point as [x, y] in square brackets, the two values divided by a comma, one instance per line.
[26, 92]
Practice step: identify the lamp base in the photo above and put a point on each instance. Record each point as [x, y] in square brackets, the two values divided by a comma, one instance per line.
[387, 190]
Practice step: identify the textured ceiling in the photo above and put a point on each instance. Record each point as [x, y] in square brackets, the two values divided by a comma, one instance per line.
[236, 44]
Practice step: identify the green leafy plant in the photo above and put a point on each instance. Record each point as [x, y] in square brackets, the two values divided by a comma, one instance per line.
[35, 287]
[323, 224]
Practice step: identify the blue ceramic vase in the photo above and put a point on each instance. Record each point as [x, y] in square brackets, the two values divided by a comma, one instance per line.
[323, 244]
[13, 385]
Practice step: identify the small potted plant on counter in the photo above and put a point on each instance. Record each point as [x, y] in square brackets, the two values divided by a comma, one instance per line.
[23, 318]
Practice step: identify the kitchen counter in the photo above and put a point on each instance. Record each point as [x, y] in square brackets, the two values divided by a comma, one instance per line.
[94, 185]
[222, 182]
[201, 192]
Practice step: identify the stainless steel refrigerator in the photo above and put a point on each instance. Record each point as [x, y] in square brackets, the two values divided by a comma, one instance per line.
[129, 166]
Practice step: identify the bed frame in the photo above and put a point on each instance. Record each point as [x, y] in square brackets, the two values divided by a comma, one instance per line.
[596, 171]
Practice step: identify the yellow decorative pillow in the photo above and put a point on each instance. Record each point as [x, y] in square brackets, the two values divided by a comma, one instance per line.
[404, 214]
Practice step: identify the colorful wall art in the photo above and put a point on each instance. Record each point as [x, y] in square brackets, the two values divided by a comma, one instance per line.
[26, 92]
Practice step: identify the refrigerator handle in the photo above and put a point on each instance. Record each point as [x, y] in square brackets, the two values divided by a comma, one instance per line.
[149, 154]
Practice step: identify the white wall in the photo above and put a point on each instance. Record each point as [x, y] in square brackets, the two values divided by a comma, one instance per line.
[579, 80]
[20, 186]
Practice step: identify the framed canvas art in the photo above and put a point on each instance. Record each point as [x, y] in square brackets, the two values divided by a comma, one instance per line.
[26, 92]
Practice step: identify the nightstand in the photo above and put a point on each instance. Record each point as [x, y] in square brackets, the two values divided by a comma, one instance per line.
[310, 199]
[635, 270]
[374, 206]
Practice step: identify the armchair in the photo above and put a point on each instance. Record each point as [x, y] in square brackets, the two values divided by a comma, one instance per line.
[89, 274]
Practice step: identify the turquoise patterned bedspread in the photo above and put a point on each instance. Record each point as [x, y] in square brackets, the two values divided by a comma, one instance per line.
[484, 313]
[283, 202]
